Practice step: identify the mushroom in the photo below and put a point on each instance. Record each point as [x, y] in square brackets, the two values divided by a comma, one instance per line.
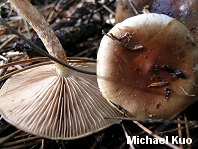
[147, 66]
[51, 100]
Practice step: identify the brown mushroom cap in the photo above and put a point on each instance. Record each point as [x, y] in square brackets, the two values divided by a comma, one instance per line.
[150, 50]
[40, 102]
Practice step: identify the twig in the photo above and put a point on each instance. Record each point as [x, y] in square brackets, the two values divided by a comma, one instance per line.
[22, 145]
[24, 61]
[31, 139]
[126, 135]
[108, 9]
[154, 135]
[187, 130]
[133, 7]
[23, 69]
[147, 120]
[99, 138]
[186, 93]
[165, 124]
[7, 138]
[179, 133]
[8, 40]
[136, 47]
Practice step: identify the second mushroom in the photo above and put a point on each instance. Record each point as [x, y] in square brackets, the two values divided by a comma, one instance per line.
[148, 65]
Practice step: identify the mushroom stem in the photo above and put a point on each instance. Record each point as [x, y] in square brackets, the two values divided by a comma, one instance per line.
[44, 31]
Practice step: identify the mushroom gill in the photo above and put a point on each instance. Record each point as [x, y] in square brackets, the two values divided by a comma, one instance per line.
[42, 103]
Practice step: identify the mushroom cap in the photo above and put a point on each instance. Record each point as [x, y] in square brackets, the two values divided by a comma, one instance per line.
[40, 102]
[151, 50]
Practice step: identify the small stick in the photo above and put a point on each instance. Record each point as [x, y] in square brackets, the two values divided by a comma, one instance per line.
[9, 137]
[126, 135]
[133, 7]
[24, 61]
[186, 93]
[23, 69]
[110, 35]
[166, 124]
[108, 9]
[21, 141]
[179, 133]
[38, 59]
[195, 84]
[154, 135]
[147, 120]
[187, 130]
[8, 40]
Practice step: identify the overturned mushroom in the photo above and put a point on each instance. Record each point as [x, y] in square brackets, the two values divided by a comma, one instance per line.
[51, 100]
[147, 65]
[40, 102]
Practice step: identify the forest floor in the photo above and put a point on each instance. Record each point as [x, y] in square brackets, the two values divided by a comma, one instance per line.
[78, 25]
